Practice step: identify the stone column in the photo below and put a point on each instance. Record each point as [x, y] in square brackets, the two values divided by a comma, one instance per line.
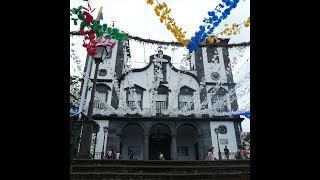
[146, 147]
[174, 147]
[202, 149]
[118, 141]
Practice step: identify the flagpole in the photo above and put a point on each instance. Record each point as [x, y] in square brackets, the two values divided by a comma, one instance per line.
[88, 72]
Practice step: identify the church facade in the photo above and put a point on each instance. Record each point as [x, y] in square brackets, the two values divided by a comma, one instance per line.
[159, 108]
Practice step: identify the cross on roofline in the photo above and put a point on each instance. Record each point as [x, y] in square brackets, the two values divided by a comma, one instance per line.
[113, 21]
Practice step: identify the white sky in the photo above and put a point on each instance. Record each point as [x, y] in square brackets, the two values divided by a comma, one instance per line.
[137, 18]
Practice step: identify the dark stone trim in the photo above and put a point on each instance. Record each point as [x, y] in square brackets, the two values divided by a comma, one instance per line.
[114, 99]
[157, 118]
[137, 87]
[119, 60]
[221, 90]
[234, 104]
[164, 82]
[223, 84]
[102, 80]
[226, 60]
[191, 115]
[236, 129]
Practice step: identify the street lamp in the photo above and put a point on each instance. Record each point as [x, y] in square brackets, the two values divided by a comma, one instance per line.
[87, 130]
[216, 130]
[105, 130]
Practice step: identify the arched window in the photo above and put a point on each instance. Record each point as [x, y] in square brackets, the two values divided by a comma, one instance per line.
[185, 96]
[219, 100]
[138, 95]
[131, 100]
[101, 95]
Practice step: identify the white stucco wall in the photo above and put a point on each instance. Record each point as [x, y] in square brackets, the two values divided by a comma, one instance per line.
[144, 79]
[231, 136]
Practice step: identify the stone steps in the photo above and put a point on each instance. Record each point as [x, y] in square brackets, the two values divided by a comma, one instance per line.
[135, 169]
[159, 169]
[159, 176]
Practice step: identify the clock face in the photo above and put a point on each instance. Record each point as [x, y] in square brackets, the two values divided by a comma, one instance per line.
[215, 76]
[222, 129]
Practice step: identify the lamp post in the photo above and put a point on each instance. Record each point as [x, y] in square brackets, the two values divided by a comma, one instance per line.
[105, 130]
[216, 130]
[87, 130]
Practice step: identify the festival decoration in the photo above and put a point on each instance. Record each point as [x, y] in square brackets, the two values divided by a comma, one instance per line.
[95, 29]
[177, 44]
[212, 22]
[206, 30]
[163, 11]
[233, 30]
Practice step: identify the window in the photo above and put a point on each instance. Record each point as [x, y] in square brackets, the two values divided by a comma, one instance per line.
[102, 72]
[131, 101]
[219, 100]
[131, 97]
[185, 96]
[160, 106]
[183, 100]
[101, 96]
[212, 54]
[223, 141]
[161, 102]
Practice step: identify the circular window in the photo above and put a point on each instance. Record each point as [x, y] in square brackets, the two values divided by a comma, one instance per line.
[215, 76]
[102, 72]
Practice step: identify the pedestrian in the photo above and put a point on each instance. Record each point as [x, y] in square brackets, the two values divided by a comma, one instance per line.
[109, 154]
[242, 153]
[130, 154]
[226, 152]
[210, 153]
[161, 157]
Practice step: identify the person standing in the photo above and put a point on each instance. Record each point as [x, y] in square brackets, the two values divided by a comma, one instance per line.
[130, 154]
[210, 153]
[161, 157]
[243, 153]
[226, 152]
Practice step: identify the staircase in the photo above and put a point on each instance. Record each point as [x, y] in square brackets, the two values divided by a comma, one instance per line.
[159, 170]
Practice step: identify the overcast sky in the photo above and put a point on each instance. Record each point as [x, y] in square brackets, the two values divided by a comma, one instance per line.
[137, 18]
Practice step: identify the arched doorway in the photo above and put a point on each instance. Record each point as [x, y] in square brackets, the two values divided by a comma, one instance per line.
[187, 142]
[159, 141]
[132, 137]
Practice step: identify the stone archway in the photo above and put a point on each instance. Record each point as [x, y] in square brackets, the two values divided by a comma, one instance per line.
[132, 137]
[159, 141]
[187, 142]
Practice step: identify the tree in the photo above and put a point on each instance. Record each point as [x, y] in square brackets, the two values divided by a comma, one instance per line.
[74, 91]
